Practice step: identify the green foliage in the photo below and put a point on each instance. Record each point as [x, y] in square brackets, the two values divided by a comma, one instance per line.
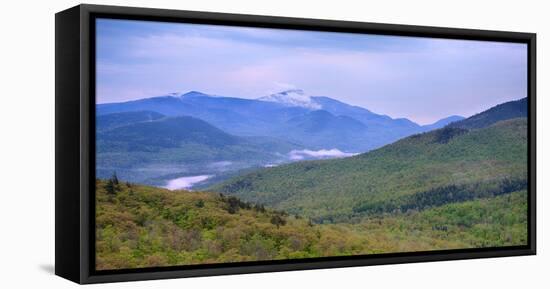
[278, 220]
[112, 186]
[443, 195]
[145, 226]
[447, 189]
[445, 134]
[328, 190]
[199, 204]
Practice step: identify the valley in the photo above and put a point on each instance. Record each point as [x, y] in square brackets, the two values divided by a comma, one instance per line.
[329, 190]
[155, 140]
[198, 179]
[218, 144]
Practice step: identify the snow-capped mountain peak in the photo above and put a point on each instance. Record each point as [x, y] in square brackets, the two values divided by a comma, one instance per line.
[293, 97]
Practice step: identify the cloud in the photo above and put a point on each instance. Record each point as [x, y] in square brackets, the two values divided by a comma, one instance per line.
[396, 76]
[296, 155]
[185, 182]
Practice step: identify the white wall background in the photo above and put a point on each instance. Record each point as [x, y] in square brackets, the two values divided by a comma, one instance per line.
[27, 144]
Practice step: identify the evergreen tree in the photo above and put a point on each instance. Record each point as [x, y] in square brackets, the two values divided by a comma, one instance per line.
[277, 220]
[112, 186]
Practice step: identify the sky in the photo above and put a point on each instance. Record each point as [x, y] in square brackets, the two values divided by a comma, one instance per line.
[422, 79]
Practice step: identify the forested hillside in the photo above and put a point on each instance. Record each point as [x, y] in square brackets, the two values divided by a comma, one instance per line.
[421, 171]
[223, 145]
[503, 111]
[140, 226]
[149, 148]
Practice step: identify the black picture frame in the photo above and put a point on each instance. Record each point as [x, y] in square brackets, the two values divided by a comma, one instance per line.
[75, 141]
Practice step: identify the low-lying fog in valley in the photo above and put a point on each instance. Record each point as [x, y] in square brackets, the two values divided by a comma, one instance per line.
[224, 169]
[185, 182]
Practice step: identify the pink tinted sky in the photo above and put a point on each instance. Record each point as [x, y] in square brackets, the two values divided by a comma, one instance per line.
[422, 79]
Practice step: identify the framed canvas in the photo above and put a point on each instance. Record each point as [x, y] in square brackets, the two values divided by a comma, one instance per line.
[195, 144]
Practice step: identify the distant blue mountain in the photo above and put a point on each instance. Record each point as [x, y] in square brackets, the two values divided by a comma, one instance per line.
[442, 122]
[151, 148]
[340, 108]
[321, 120]
[321, 129]
[233, 115]
[312, 121]
[114, 120]
[168, 132]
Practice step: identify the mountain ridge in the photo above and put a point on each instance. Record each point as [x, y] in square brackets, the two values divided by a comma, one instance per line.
[170, 147]
[443, 122]
[483, 157]
[269, 117]
[292, 97]
[503, 111]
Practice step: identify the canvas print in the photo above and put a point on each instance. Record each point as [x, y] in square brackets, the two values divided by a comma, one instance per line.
[225, 144]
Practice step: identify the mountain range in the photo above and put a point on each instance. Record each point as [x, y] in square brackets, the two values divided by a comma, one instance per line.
[315, 122]
[148, 147]
[154, 140]
[263, 195]
[482, 156]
